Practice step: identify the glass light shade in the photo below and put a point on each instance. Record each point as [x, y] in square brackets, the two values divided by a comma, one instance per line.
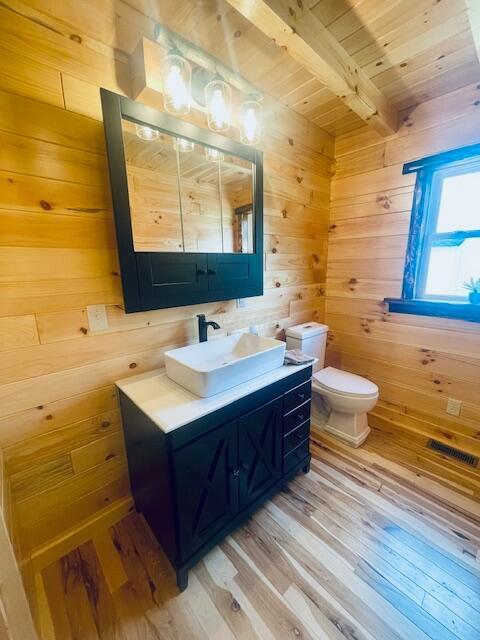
[146, 133]
[184, 146]
[218, 98]
[177, 82]
[213, 155]
[250, 122]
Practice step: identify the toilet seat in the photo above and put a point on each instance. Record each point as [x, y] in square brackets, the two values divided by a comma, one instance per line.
[344, 384]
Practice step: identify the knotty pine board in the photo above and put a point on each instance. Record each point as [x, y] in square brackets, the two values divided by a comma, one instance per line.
[59, 423]
[417, 362]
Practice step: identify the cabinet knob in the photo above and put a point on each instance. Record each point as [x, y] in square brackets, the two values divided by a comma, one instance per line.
[300, 417]
[244, 466]
[212, 272]
[299, 436]
[201, 272]
[235, 473]
[301, 396]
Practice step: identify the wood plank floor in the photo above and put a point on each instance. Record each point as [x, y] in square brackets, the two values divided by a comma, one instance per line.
[364, 547]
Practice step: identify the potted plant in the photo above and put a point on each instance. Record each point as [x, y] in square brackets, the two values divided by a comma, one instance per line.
[473, 286]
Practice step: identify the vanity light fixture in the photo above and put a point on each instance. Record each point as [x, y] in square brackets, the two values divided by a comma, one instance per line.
[146, 133]
[213, 155]
[210, 85]
[218, 100]
[183, 145]
[250, 121]
[177, 82]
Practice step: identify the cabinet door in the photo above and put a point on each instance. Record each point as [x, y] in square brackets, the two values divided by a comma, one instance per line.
[238, 273]
[260, 450]
[206, 479]
[170, 279]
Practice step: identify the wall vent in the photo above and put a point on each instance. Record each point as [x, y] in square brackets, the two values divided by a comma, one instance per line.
[467, 458]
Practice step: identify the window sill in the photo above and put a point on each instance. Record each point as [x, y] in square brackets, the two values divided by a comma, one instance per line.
[457, 310]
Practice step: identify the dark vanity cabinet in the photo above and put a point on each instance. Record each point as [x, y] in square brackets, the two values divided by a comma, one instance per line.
[197, 483]
[175, 279]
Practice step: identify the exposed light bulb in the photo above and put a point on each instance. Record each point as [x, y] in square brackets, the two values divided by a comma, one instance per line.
[218, 109]
[218, 98]
[146, 133]
[213, 155]
[251, 122]
[184, 146]
[176, 84]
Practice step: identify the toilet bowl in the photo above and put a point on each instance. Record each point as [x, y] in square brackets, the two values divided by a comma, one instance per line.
[346, 399]
[340, 400]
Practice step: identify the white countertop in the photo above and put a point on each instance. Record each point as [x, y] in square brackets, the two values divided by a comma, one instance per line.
[170, 406]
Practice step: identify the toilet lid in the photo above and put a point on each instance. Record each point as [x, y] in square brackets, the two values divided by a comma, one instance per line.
[345, 383]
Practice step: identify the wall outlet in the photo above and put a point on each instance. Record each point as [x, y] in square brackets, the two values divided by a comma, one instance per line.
[454, 406]
[97, 317]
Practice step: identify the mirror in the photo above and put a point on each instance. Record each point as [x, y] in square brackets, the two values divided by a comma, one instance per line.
[237, 197]
[188, 209]
[185, 196]
[200, 201]
[153, 190]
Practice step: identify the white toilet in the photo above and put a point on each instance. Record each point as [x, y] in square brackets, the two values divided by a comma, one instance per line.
[340, 400]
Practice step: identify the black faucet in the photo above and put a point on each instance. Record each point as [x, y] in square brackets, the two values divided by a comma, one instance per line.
[203, 327]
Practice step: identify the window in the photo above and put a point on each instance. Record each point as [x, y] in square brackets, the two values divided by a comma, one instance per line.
[444, 243]
[450, 252]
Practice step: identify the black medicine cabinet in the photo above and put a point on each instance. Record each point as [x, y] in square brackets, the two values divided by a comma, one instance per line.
[188, 207]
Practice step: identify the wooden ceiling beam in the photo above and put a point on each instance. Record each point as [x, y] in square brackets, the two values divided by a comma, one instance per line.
[473, 9]
[293, 26]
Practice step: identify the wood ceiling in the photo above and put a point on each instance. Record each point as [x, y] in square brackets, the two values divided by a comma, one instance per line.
[409, 50]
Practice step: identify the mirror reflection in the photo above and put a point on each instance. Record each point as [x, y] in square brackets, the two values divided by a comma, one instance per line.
[200, 200]
[153, 191]
[186, 197]
[237, 197]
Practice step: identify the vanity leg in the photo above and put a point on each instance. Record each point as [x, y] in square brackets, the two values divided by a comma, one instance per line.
[182, 579]
[306, 468]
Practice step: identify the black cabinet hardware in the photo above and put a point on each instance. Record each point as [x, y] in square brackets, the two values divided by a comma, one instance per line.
[292, 439]
[296, 397]
[296, 417]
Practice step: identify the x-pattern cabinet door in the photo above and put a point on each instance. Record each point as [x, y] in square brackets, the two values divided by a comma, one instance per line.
[206, 478]
[260, 450]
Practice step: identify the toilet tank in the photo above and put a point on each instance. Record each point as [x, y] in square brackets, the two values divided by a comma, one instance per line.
[311, 338]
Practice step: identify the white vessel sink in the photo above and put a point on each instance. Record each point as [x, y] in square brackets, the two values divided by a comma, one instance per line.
[212, 367]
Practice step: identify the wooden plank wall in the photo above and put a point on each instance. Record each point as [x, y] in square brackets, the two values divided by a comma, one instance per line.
[418, 362]
[15, 618]
[59, 420]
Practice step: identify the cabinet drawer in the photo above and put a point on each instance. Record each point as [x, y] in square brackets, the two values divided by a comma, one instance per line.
[294, 457]
[295, 437]
[296, 417]
[297, 396]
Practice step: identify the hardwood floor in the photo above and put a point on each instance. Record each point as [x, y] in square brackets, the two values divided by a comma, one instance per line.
[365, 547]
